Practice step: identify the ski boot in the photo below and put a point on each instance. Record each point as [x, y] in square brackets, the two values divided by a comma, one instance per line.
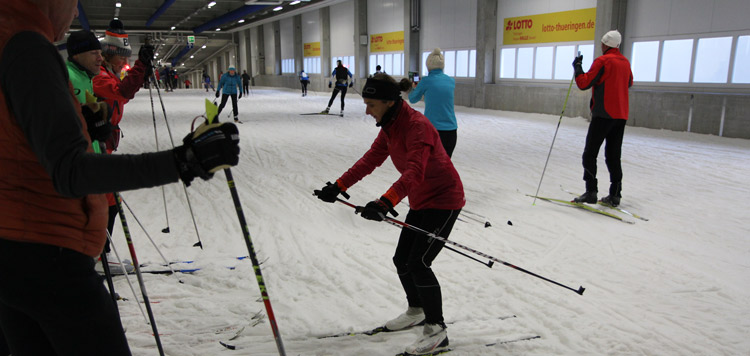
[434, 338]
[326, 110]
[588, 197]
[412, 316]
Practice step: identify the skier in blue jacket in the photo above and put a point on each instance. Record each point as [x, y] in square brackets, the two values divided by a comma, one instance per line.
[230, 84]
[342, 76]
[437, 90]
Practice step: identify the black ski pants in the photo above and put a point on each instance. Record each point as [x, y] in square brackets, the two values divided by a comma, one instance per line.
[414, 255]
[224, 102]
[448, 139]
[304, 87]
[245, 87]
[600, 130]
[336, 91]
[52, 302]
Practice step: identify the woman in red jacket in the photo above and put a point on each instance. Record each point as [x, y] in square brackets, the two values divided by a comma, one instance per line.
[436, 197]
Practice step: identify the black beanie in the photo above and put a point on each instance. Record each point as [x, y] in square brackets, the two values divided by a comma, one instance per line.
[82, 41]
[381, 89]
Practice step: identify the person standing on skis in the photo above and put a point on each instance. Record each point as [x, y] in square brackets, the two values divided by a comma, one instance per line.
[231, 85]
[610, 77]
[436, 197]
[341, 75]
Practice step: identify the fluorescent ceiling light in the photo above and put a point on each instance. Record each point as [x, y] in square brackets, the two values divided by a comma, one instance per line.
[218, 29]
[192, 57]
[294, 2]
[117, 4]
[204, 46]
[278, 8]
[241, 21]
[211, 4]
[173, 27]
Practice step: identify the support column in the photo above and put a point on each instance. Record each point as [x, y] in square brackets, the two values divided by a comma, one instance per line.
[610, 15]
[261, 51]
[361, 40]
[325, 43]
[412, 26]
[277, 47]
[486, 49]
[299, 47]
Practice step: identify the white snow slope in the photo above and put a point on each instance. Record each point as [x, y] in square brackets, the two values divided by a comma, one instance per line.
[678, 284]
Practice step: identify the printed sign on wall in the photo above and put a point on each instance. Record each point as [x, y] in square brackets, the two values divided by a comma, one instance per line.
[565, 26]
[311, 49]
[387, 42]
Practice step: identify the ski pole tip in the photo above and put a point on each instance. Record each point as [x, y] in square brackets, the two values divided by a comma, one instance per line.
[487, 224]
[165, 230]
[580, 290]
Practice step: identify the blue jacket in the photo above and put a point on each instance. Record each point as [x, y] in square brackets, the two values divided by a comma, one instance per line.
[230, 83]
[437, 89]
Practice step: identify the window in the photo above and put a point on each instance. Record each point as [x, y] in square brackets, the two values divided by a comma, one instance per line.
[525, 63]
[712, 60]
[312, 65]
[741, 72]
[462, 58]
[543, 63]
[508, 63]
[675, 61]
[391, 63]
[473, 63]
[563, 62]
[449, 58]
[644, 59]
[459, 63]
[287, 65]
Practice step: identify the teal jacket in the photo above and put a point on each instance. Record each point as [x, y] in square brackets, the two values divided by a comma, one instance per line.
[229, 84]
[437, 90]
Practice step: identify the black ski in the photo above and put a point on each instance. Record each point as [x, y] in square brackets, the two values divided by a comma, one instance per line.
[319, 113]
[449, 349]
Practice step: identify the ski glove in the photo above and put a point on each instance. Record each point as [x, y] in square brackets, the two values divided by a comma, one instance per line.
[330, 192]
[218, 93]
[240, 97]
[207, 150]
[577, 65]
[377, 209]
[351, 84]
[97, 117]
[329, 84]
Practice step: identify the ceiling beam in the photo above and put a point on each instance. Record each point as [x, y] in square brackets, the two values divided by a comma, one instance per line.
[163, 8]
[228, 17]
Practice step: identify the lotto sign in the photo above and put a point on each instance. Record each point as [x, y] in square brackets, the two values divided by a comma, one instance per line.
[311, 49]
[387, 42]
[565, 26]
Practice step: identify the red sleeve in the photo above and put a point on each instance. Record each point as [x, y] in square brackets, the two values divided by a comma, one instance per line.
[372, 159]
[588, 79]
[106, 86]
[133, 81]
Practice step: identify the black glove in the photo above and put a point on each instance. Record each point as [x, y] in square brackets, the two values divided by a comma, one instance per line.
[577, 65]
[240, 97]
[376, 209]
[97, 117]
[351, 84]
[218, 93]
[329, 84]
[330, 192]
[207, 150]
[146, 54]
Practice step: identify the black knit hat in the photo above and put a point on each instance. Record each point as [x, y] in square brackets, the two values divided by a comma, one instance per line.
[82, 41]
[381, 89]
[116, 40]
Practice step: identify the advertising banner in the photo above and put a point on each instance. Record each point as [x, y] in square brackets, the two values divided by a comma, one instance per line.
[311, 49]
[565, 26]
[387, 42]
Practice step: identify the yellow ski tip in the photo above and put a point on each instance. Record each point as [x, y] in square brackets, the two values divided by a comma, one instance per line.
[211, 111]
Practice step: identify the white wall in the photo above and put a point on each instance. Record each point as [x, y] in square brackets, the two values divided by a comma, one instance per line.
[254, 51]
[448, 24]
[385, 16]
[286, 29]
[648, 18]
[311, 27]
[342, 29]
[514, 8]
[269, 44]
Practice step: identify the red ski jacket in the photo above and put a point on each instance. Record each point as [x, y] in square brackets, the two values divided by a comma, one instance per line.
[117, 93]
[611, 77]
[428, 177]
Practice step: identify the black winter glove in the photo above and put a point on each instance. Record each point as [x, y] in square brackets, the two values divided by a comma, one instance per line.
[218, 93]
[376, 209]
[97, 117]
[240, 97]
[329, 84]
[577, 65]
[330, 192]
[207, 150]
[351, 84]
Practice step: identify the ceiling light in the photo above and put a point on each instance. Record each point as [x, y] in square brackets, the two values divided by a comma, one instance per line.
[117, 4]
[218, 29]
[116, 18]
[241, 21]
[173, 27]
[211, 4]
[278, 8]
[192, 57]
[204, 46]
[294, 2]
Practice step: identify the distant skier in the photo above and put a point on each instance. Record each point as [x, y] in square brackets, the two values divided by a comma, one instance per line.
[341, 75]
[207, 82]
[245, 82]
[304, 79]
[230, 84]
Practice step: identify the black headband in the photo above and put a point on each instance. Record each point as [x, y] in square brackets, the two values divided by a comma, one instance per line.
[380, 89]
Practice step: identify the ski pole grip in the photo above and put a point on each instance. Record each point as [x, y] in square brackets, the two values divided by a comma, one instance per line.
[345, 195]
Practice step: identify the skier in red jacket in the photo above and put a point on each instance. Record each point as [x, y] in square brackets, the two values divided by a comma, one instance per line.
[610, 76]
[436, 196]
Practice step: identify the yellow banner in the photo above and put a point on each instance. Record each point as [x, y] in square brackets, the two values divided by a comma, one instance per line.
[387, 42]
[312, 49]
[565, 26]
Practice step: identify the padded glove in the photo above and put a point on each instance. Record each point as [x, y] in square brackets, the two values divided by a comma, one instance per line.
[146, 54]
[577, 65]
[377, 209]
[97, 117]
[207, 150]
[218, 93]
[329, 84]
[330, 192]
[351, 84]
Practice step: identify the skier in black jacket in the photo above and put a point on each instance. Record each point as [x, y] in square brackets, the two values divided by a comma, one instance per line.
[341, 74]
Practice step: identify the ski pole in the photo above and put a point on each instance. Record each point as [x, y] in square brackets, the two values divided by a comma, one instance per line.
[127, 278]
[131, 247]
[163, 194]
[402, 224]
[108, 277]
[147, 235]
[565, 104]
[171, 140]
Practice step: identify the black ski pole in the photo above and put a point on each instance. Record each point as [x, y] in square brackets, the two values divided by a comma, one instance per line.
[565, 104]
[402, 224]
[163, 194]
[131, 247]
[254, 259]
[108, 277]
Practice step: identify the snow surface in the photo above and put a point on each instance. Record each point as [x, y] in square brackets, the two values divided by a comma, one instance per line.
[674, 285]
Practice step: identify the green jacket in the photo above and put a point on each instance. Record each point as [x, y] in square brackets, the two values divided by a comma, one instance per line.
[81, 81]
